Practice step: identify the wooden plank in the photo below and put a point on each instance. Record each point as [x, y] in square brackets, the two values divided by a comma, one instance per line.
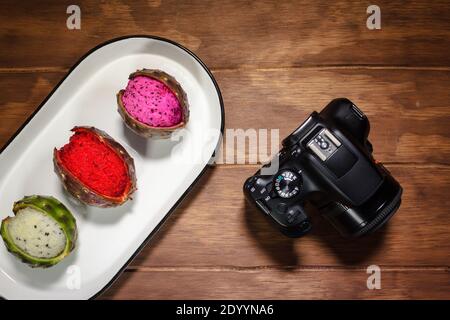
[21, 95]
[408, 109]
[231, 34]
[215, 226]
[280, 284]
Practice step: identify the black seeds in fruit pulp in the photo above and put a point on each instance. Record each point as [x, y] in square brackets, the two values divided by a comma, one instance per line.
[47, 234]
[35, 226]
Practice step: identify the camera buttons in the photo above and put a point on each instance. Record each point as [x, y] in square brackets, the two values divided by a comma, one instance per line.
[292, 215]
[282, 207]
[296, 152]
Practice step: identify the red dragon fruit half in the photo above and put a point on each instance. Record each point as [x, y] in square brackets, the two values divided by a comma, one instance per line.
[95, 169]
[153, 104]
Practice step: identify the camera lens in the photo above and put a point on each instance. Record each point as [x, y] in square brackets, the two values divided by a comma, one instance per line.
[368, 217]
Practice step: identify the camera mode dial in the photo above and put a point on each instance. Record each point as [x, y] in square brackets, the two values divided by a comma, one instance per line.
[287, 184]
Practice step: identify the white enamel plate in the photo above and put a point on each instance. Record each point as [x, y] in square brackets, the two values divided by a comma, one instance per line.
[166, 169]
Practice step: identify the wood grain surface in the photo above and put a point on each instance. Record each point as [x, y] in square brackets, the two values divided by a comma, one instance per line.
[275, 62]
[329, 283]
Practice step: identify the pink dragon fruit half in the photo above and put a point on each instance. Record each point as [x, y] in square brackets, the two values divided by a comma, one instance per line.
[153, 104]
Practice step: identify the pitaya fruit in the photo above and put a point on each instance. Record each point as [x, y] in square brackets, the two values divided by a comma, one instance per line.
[42, 232]
[95, 169]
[153, 104]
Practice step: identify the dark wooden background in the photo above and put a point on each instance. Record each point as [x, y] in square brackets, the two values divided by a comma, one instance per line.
[275, 62]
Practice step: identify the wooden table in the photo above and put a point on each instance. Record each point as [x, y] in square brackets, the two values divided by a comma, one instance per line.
[275, 63]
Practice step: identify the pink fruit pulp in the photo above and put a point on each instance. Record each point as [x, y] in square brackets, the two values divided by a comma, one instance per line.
[151, 102]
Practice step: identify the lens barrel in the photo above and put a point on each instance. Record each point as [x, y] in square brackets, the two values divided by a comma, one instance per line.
[364, 219]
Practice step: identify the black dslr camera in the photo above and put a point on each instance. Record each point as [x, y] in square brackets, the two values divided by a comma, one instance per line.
[328, 162]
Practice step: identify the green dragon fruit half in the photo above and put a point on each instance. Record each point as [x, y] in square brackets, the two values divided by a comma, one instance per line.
[42, 232]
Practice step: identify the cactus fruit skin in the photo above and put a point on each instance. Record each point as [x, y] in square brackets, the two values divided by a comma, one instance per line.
[80, 191]
[145, 130]
[55, 210]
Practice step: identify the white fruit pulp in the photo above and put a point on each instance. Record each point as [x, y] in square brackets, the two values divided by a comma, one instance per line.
[36, 233]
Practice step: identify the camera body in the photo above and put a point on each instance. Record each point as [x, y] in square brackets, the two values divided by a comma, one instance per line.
[327, 161]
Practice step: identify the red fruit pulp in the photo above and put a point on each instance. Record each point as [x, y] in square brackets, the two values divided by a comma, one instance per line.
[95, 164]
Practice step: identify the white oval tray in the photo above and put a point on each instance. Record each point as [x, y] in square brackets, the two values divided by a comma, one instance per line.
[166, 169]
